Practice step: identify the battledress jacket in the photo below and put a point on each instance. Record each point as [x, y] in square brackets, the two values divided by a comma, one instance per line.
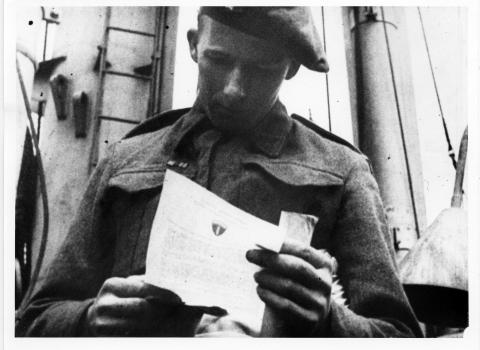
[286, 164]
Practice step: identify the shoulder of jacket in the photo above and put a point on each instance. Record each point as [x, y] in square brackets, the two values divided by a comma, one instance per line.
[157, 122]
[317, 148]
[142, 146]
[326, 134]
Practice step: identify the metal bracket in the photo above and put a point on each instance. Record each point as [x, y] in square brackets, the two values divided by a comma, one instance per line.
[59, 85]
[80, 113]
[370, 14]
[144, 70]
[147, 69]
[50, 15]
[41, 82]
[397, 244]
[96, 67]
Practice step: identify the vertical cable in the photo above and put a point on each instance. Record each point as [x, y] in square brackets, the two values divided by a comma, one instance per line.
[400, 122]
[45, 42]
[451, 152]
[43, 190]
[326, 74]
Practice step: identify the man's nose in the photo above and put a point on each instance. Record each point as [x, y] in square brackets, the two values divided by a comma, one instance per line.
[234, 90]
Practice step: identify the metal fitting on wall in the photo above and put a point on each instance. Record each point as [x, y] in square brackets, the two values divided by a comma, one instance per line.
[80, 113]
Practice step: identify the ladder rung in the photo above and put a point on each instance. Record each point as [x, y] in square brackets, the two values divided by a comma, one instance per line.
[124, 74]
[130, 31]
[115, 119]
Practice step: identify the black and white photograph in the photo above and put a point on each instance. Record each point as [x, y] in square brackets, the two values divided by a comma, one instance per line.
[241, 171]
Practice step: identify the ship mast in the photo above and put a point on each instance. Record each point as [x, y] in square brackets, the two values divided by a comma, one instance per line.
[385, 117]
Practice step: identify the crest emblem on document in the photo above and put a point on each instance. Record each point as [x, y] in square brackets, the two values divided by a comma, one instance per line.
[218, 228]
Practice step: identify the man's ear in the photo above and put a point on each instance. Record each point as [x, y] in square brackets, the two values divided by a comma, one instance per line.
[292, 70]
[192, 36]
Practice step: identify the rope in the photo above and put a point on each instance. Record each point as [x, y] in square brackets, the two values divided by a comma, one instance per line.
[326, 74]
[43, 190]
[451, 152]
[400, 122]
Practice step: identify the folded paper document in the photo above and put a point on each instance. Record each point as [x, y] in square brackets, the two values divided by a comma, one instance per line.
[197, 249]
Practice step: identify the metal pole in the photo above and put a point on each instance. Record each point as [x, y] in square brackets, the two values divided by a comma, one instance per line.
[153, 102]
[386, 126]
[100, 90]
[163, 61]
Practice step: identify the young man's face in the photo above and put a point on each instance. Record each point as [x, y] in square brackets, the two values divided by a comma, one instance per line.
[239, 75]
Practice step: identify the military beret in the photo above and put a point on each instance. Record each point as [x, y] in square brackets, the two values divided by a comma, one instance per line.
[290, 27]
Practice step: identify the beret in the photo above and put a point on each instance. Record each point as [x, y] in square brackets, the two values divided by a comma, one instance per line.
[289, 27]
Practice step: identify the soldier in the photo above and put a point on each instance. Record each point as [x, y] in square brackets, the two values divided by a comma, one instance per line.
[239, 142]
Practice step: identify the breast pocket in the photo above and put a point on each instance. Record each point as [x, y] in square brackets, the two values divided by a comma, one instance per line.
[272, 186]
[134, 196]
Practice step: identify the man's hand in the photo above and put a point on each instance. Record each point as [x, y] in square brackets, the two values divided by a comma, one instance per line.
[296, 283]
[223, 326]
[122, 308]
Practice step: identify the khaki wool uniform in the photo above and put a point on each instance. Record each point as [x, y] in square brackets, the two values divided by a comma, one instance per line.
[286, 164]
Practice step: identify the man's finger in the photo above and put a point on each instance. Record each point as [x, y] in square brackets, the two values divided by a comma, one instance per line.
[123, 287]
[319, 258]
[156, 294]
[286, 306]
[287, 265]
[290, 289]
[134, 286]
[114, 326]
[113, 306]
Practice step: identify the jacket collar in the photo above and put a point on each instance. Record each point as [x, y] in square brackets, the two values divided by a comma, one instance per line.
[268, 137]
